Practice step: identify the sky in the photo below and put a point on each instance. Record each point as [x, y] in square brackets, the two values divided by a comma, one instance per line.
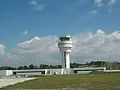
[30, 30]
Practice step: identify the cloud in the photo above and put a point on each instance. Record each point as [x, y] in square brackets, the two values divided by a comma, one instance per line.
[2, 49]
[93, 12]
[98, 46]
[44, 50]
[98, 3]
[38, 50]
[35, 51]
[37, 5]
[6, 58]
[25, 32]
[111, 2]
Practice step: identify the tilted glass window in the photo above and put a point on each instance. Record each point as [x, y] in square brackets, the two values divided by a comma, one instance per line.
[65, 38]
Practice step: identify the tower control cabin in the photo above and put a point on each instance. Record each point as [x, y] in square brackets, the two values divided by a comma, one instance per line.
[65, 45]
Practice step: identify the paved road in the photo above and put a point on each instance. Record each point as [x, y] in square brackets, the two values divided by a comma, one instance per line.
[11, 81]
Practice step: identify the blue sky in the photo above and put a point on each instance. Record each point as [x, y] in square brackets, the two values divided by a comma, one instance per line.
[22, 20]
[56, 17]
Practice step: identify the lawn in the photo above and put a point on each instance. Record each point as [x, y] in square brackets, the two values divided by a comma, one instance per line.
[93, 81]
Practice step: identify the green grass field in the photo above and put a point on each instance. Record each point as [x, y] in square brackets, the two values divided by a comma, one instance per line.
[93, 81]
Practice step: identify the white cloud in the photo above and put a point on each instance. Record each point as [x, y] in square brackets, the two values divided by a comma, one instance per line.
[33, 2]
[6, 58]
[98, 3]
[86, 47]
[25, 32]
[37, 5]
[93, 12]
[38, 50]
[2, 49]
[100, 31]
[111, 2]
[98, 46]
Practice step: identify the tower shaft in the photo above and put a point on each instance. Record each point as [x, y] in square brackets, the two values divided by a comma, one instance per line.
[65, 46]
[65, 60]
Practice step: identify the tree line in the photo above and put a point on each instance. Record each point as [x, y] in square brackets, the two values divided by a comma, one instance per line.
[108, 65]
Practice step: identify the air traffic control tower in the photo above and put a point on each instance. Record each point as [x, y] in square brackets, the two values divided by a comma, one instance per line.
[65, 45]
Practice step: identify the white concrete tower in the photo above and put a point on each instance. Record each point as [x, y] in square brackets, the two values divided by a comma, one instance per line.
[65, 45]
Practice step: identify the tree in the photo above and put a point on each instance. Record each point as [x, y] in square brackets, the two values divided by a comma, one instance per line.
[25, 67]
[31, 66]
[20, 68]
[42, 66]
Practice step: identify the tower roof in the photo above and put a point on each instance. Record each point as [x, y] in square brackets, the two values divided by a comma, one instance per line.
[65, 38]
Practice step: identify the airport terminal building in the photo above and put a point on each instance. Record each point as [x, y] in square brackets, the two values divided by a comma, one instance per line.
[30, 72]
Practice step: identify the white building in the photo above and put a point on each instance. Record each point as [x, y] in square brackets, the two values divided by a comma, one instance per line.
[30, 72]
[6, 73]
[65, 45]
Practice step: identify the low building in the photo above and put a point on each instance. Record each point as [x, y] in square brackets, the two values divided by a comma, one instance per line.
[87, 70]
[29, 72]
[50, 71]
[6, 73]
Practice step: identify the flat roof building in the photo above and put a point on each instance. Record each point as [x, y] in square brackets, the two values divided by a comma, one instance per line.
[30, 72]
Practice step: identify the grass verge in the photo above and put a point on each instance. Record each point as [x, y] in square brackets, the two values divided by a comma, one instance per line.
[92, 81]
